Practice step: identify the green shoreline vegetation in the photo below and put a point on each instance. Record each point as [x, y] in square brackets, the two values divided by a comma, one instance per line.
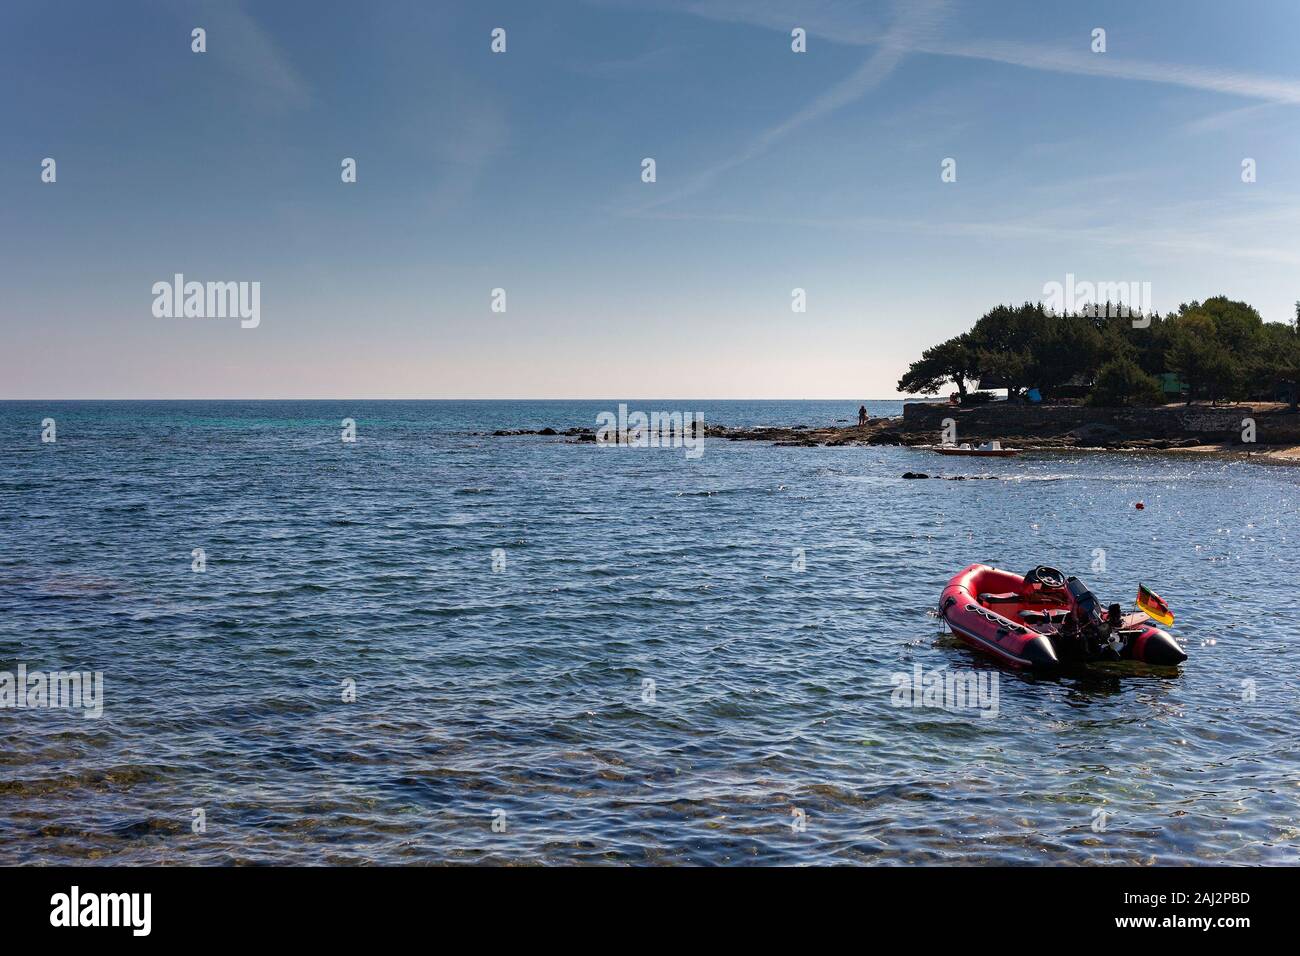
[1218, 350]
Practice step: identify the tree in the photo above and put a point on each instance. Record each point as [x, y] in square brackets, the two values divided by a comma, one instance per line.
[1237, 326]
[1003, 340]
[1277, 364]
[1221, 348]
[1291, 365]
[951, 361]
[1291, 373]
[1066, 349]
[1004, 369]
[1198, 356]
[1121, 383]
[1025, 347]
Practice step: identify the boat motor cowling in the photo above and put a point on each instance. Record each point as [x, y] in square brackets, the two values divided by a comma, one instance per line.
[1099, 629]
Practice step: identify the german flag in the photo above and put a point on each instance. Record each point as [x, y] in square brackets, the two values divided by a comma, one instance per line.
[1154, 606]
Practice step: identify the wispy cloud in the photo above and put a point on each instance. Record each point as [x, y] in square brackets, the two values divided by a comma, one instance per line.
[655, 58]
[457, 129]
[1225, 119]
[464, 149]
[917, 27]
[1181, 238]
[835, 23]
[1058, 60]
[239, 43]
[913, 20]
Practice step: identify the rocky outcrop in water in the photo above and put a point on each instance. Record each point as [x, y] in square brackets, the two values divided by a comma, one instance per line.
[1029, 428]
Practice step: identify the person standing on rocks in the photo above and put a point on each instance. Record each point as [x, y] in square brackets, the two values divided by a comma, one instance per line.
[862, 415]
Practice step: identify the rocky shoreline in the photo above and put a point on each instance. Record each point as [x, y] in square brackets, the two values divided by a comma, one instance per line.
[1028, 431]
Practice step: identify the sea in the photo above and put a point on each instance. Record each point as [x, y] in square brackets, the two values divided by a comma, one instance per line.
[433, 645]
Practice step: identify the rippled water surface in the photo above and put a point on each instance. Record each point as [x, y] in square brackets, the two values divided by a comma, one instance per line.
[525, 690]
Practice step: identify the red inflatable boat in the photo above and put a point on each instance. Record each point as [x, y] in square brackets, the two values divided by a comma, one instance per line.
[1043, 619]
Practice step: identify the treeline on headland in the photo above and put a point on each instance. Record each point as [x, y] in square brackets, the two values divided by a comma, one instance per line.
[1216, 350]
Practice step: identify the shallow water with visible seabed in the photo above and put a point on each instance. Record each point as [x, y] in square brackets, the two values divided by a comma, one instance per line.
[524, 689]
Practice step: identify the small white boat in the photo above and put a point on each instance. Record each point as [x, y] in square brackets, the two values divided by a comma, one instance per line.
[991, 449]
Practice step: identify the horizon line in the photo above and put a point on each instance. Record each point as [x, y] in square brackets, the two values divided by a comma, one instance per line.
[900, 398]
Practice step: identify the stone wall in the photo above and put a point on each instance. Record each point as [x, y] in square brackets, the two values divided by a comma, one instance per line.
[1173, 422]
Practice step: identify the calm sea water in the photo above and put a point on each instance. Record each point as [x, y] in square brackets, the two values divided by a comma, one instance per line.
[520, 696]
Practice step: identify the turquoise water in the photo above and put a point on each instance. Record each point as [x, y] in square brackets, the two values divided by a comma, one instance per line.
[770, 594]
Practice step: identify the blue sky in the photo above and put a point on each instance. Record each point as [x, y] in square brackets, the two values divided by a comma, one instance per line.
[521, 170]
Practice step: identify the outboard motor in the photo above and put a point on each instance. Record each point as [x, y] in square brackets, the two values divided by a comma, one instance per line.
[1098, 632]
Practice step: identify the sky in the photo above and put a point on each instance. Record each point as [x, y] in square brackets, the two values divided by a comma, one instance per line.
[523, 171]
